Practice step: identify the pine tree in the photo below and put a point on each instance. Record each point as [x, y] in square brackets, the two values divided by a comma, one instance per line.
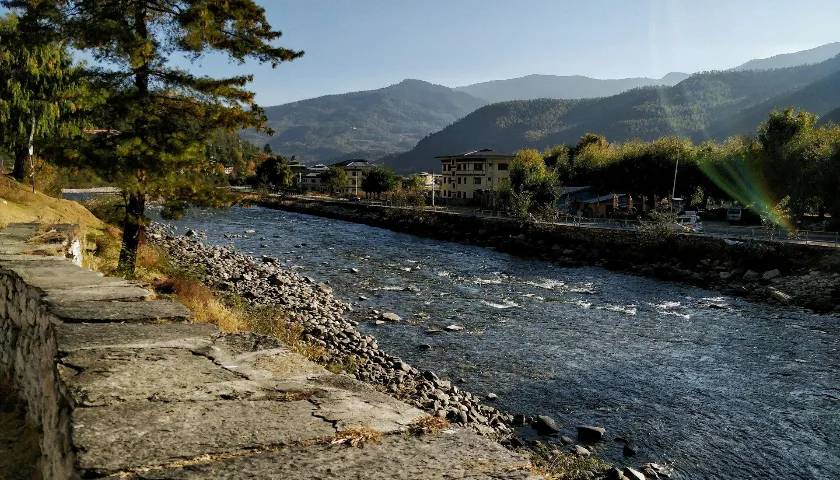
[42, 95]
[159, 116]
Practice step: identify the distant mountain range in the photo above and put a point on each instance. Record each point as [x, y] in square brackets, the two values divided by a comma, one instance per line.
[537, 110]
[711, 105]
[562, 87]
[366, 124]
[832, 117]
[785, 60]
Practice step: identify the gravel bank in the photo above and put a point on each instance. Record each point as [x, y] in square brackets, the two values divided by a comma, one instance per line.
[264, 282]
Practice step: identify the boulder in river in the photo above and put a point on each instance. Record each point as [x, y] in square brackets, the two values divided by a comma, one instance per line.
[771, 274]
[633, 474]
[454, 328]
[590, 434]
[580, 451]
[391, 317]
[545, 425]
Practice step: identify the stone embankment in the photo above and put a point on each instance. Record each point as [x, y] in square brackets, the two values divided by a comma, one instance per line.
[265, 282]
[121, 385]
[773, 272]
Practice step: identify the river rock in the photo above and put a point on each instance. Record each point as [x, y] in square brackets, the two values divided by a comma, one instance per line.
[771, 274]
[633, 474]
[751, 275]
[391, 317]
[590, 434]
[566, 440]
[545, 425]
[454, 328]
[580, 451]
[492, 396]
[779, 295]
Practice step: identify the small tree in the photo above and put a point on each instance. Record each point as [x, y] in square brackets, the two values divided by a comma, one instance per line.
[336, 179]
[158, 115]
[379, 180]
[275, 172]
[41, 92]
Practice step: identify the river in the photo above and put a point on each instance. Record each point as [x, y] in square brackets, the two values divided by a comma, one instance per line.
[721, 387]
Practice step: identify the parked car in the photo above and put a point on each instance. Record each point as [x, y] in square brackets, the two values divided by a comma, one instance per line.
[689, 222]
[734, 214]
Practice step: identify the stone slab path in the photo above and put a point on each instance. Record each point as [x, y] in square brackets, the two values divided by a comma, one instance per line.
[149, 395]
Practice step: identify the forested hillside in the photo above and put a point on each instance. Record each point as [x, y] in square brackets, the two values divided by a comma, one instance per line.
[367, 124]
[711, 105]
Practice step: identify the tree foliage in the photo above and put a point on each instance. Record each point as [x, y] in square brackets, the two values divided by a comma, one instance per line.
[379, 180]
[335, 179]
[274, 172]
[158, 116]
[43, 96]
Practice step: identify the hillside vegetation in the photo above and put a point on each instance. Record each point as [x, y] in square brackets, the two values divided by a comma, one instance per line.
[19, 204]
[365, 124]
[712, 105]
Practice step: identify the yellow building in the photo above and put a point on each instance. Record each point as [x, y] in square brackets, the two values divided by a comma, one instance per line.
[474, 175]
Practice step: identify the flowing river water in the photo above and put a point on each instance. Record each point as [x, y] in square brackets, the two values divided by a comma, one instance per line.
[721, 387]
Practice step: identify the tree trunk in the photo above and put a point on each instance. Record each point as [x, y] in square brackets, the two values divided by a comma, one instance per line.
[133, 226]
[30, 153]
[136, 205]
[19, 170]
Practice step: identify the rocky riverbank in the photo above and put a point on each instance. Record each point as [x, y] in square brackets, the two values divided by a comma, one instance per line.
[770, 272]
[264, 281]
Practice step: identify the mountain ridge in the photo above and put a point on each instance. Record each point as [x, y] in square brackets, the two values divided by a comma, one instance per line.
[569, 87]
[784, 60]
[697, 107]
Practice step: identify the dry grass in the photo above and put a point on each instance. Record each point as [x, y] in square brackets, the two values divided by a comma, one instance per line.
[427, 425]
[556, 464]
[19, 204]
[356, 436]
[204, 305]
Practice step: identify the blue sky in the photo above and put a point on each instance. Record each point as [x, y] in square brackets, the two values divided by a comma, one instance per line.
[364, 44]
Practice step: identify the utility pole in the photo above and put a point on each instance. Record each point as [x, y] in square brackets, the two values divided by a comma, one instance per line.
[434, 184]
[674, 188]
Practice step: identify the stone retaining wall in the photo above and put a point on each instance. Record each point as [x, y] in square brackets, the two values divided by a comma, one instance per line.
[121, 385]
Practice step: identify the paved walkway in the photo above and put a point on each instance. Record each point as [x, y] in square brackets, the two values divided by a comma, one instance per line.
[153, 396]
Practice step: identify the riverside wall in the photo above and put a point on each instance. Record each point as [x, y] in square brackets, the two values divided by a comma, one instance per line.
[775, 272]
[120, 384]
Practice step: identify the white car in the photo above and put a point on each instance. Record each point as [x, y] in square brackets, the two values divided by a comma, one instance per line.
[690, 223]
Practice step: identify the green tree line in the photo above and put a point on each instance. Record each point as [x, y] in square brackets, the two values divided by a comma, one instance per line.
[790, 168]
[131, 115]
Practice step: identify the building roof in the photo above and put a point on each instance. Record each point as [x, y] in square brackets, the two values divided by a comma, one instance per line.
[483, 153]
[357, 162]
[572, 190]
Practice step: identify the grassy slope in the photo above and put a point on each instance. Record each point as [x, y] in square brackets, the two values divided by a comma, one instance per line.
[19, 204]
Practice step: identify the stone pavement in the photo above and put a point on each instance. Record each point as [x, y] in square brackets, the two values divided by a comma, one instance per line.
[123, 386]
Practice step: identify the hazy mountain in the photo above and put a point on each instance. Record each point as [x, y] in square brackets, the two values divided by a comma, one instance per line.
[704, 106]
[561, 87]
[832, 117]
[368, 124]
[785, 60]
[820, 97]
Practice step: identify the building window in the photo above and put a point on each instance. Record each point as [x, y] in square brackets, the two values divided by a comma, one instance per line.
[503, 167]
[478, 167]
[459, 180]
[477, 180]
